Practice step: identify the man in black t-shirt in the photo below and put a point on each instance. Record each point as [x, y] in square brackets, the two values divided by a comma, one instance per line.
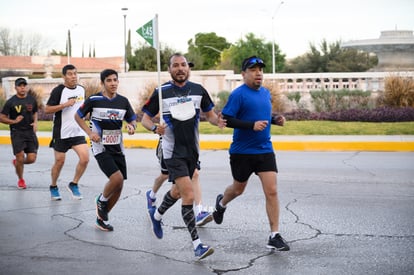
[20, 113]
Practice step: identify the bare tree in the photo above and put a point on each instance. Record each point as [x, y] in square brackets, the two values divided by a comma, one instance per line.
[5, 40]
[21, 44]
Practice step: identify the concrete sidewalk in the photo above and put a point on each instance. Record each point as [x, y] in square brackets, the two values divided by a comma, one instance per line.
[281, 143]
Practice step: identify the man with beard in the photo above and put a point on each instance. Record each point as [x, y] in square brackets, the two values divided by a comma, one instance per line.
[182, 102]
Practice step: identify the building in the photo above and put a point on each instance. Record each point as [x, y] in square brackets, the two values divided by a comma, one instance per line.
[394, 49]
[47, 66]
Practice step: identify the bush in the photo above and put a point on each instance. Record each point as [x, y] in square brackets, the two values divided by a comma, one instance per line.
[324, 101]
[381, 114]
[144, 96]
[278, 104]
[399, 91]
[91, 86]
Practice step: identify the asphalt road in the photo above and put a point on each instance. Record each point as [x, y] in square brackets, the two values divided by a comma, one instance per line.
[341, 212]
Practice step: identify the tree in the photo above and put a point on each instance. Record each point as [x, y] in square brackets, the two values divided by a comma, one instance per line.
[251, 45]
[145, 58]
[207, 49]
[20, 44]
[128, 45]
[69, 45]
[331, 58]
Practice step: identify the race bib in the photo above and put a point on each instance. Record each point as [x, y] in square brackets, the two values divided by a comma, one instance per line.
[183, 111]
[111, 137]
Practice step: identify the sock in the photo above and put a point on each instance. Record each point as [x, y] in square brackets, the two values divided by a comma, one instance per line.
[167, 202]
[198, 209]
[157, 215]
[187, 213]
[196, 243]
[221, 204]
[102, 198]
[152, 194]
[273, 234]
[72, 183]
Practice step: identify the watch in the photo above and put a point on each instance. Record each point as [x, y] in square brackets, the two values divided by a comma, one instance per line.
[154, 128]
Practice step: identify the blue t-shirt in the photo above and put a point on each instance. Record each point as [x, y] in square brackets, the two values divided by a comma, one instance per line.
[252, 105]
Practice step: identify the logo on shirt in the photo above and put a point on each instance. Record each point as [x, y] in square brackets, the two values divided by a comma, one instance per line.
[29, 107]
[112, 114]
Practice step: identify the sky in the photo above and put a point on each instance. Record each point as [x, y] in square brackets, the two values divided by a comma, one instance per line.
[292, 24]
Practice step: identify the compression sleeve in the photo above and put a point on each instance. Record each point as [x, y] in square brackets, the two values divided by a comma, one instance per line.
[237, 123]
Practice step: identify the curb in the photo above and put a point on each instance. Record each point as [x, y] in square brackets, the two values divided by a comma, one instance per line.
[278, 145]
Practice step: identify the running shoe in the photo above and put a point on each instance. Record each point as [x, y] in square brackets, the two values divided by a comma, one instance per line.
[21, 184]
[156, 225]
[218, 212]
[203, 218]
[74, 191]
[103, 226]
[54, 193]
[278, 243]
[101, 208]
[203, 251]
[150, 201]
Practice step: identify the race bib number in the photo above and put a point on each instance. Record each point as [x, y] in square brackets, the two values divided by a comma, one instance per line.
[183, 111]
[111, 137]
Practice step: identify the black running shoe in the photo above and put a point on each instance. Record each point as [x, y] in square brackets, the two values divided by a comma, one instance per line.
[101, 209]
[278, 243]
[103, 226]
[219, 211]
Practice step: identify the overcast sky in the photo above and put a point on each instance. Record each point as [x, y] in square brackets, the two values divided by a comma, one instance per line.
[296, 23]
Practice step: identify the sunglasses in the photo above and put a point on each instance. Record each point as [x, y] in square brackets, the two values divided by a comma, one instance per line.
[253, 61]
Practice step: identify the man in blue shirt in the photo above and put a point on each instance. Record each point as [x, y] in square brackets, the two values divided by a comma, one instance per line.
[249, 112]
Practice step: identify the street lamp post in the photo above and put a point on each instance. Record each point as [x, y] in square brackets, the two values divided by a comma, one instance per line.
[273, 37]
[212, 48]
[125, 10]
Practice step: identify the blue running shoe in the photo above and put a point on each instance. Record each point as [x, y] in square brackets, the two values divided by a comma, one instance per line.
[156, 225]
[203, 218]
[54, 193]
[150, 201]
[203, 251]
[74, 191]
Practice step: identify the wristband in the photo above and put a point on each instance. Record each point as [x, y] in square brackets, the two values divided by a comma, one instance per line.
[154, 128]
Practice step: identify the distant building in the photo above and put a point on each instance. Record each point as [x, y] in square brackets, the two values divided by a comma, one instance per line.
[46, 66]
[394, 49]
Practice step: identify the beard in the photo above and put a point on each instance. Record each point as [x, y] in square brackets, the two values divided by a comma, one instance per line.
[181, 78]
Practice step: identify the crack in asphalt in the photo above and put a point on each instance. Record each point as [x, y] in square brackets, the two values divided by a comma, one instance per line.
[319, 232]
[347, 163]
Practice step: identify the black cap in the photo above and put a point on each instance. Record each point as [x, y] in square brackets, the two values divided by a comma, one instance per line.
[251, 62]
[20, 81]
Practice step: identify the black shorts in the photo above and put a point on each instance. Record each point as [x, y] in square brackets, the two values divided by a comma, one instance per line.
[63, 145]
[179, 167]
[24, 140]
[111, 163]
[158, 153]
[242, 166]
